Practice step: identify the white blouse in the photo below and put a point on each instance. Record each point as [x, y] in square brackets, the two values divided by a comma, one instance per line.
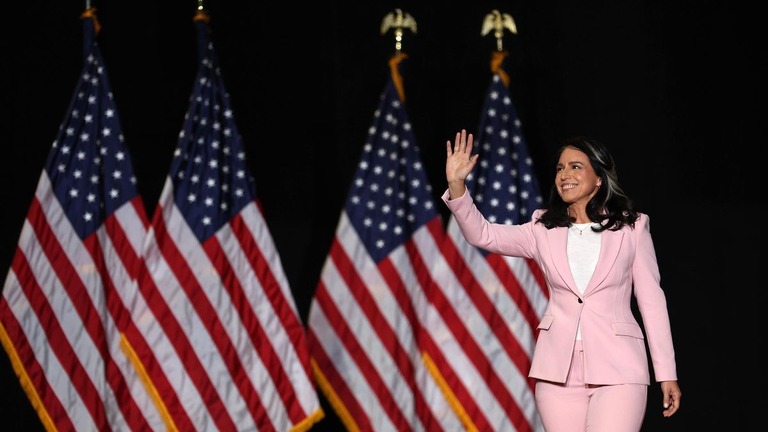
[583, 250]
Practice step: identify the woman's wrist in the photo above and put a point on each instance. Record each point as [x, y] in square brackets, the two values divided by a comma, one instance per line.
[455, 189]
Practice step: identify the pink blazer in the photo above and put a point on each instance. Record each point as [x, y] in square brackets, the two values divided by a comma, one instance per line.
[613, 342]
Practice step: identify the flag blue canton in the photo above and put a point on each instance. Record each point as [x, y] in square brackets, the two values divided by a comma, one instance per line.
[504, 185]
[390, 197]
[89, 167]
[209, 171]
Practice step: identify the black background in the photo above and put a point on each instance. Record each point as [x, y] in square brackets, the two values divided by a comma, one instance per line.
[676, 90]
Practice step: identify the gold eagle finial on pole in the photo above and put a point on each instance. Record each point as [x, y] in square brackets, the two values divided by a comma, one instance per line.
[398, 20]
[497, 22]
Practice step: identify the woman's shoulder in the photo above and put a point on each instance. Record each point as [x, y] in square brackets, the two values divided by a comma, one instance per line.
[644, 217]
[537, 214]
[640, 221]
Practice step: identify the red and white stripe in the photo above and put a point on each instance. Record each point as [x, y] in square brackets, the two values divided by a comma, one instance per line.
[224, 344]
[62, 312]
[364, 325]
[482, 321]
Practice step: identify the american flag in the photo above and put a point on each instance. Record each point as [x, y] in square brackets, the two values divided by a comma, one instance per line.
[487, 309]
[225, 348]
[63, 308]
[364, 319]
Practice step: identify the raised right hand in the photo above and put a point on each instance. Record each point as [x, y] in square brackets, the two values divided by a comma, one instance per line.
[459, 162]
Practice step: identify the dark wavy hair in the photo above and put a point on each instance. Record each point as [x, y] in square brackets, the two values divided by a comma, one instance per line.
[610, 206]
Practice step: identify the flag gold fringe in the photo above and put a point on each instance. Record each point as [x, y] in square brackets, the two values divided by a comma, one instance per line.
[26, 383]
[148, 385]
[334, 399]
[308, 422]
[449, 395]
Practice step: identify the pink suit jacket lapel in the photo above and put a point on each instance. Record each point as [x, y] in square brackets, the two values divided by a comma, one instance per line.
[610, 246]
[609, 251]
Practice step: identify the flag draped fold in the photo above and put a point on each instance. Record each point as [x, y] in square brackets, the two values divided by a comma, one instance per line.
[64, 308]
[487, 306]
[365, 316]
[221, 340]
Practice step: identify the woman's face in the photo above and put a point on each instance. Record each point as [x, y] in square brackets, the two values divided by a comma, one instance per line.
[575, 179]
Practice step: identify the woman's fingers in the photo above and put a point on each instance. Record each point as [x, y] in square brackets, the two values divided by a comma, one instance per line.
[469, 140]
[461, 144]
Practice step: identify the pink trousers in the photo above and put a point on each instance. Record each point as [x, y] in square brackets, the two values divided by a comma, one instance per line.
[576, 406]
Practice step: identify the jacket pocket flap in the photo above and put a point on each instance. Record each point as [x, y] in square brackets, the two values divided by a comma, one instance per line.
[628, 329]
[546, 321]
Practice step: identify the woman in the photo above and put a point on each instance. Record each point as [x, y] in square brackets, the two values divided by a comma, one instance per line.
[596, 252]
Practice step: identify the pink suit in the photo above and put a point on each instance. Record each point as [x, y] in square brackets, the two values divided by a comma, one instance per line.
[613, 342]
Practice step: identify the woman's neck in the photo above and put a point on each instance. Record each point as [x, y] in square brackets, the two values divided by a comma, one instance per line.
[578, 213]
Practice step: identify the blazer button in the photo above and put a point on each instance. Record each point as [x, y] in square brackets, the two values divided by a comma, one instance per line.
[580, 300]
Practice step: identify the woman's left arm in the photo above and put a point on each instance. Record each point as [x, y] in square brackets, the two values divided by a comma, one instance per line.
[652, 302]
